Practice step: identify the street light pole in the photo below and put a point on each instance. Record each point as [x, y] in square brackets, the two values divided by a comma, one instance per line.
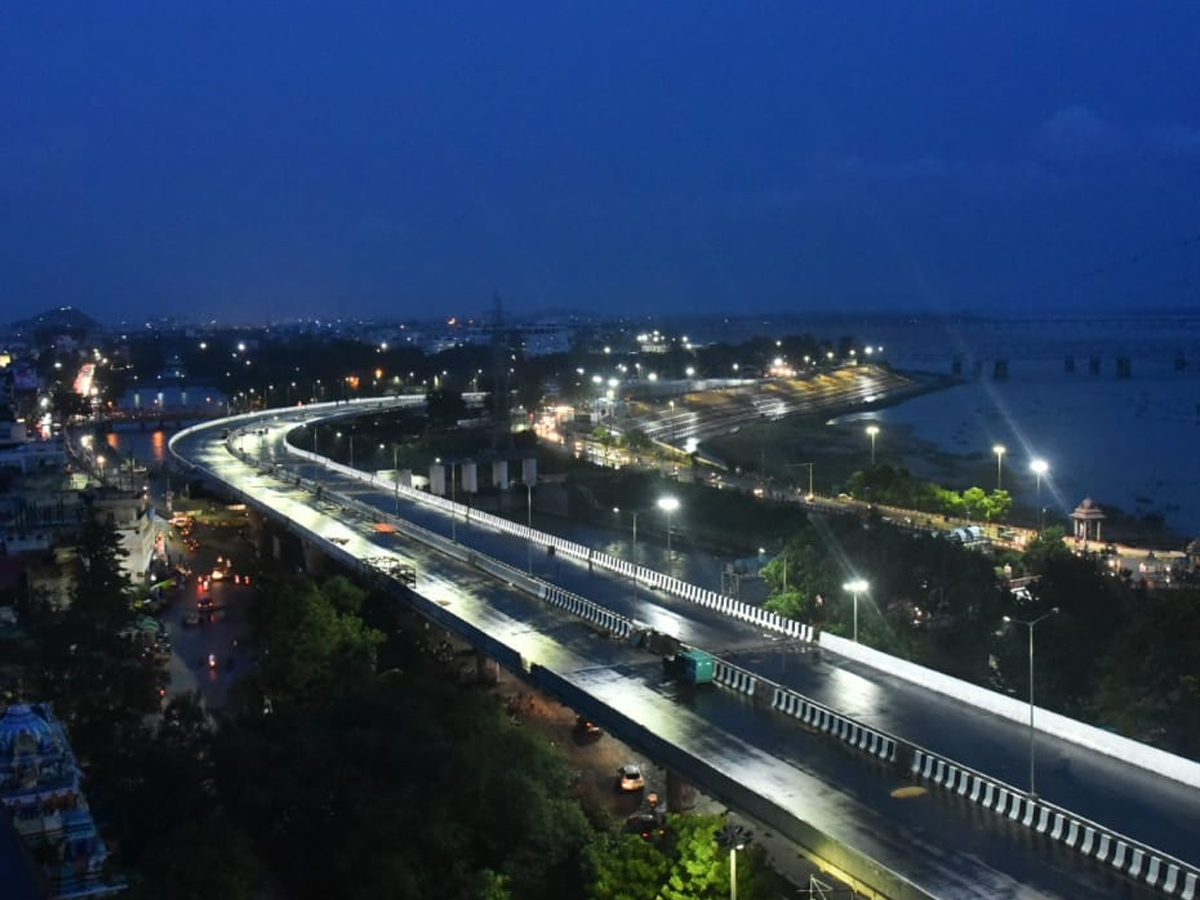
[1030, 624]
[810, 474]
[872, 430]
[396, 474]
[668, 505]
[735, 837]
[999, 450]
[1039, 467]
[855, 587]
[529, 525]
[633, 554]
[453, 507]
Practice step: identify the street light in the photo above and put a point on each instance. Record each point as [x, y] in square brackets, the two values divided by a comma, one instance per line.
[872, 431]
[395, 472]
[100, 463]
[633, 550]
[454, 505]
[668, 505]
[999, 450]
[1032, 731]
[339, 434]
[1039, 467]
[810, 475]
[856, 587]
[735, 837]
[529, 525]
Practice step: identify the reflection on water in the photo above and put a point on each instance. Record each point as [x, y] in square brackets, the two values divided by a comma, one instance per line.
[148, 447]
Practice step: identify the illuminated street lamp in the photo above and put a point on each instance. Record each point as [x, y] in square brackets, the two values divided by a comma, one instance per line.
[999, 450]
[100, 464]
[1039, 467]
[668, 505]
[1032, 731]
[872, 431]
[856, 587]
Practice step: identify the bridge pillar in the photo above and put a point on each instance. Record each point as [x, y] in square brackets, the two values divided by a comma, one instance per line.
[315, 562]
[1124, 367]
[681, 796]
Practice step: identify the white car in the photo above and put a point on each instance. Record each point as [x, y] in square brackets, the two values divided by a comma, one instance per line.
[630, 778]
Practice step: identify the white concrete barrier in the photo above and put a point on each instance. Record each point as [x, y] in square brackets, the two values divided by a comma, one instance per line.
[1150, 758]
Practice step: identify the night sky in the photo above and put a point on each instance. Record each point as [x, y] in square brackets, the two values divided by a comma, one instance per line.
[256, 162]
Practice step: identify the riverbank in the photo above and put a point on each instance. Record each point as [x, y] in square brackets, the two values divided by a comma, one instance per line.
[1127, 443]
[918, 430]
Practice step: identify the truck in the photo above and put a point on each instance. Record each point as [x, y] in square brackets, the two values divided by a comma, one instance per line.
[690, 666]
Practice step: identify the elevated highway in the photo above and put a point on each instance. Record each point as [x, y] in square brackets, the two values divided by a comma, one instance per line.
[811, 768]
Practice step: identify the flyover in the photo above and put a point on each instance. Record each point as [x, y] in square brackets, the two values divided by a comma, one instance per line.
[809, 767]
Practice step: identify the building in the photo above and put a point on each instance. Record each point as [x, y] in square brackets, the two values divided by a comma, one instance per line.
[1087, 518]
[40, 792]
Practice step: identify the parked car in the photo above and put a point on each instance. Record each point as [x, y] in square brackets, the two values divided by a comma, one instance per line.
[647, 824]
[586, 728]
[630, 778]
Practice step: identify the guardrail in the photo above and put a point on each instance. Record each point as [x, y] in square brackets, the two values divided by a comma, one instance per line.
[611, 623]
[1140, 862]
[1126, 856]
[580, 552]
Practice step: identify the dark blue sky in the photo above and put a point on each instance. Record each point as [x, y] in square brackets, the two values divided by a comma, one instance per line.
[254, 161]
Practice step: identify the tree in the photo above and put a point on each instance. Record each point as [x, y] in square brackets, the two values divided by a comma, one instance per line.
[637, 440]
[699, 868]
[101, 594]
[1045, 547]
[792, 605]
[624, 866]
[974, 501]
[395, 788]
[998, 505]
[99, 680]
[314, 643]
[690, 864]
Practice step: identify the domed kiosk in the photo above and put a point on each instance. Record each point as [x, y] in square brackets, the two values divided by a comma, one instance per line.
[39, 789]
[1087, 518]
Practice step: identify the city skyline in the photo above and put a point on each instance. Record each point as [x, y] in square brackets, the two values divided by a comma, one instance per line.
[245, 165]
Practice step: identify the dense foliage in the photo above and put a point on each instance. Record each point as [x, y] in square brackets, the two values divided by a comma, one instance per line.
[890, 486]
[688, 862]
[1119, 652]
[351, 781]
[929, 599]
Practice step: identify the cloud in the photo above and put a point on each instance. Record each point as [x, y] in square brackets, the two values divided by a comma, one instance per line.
[1076, 132]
